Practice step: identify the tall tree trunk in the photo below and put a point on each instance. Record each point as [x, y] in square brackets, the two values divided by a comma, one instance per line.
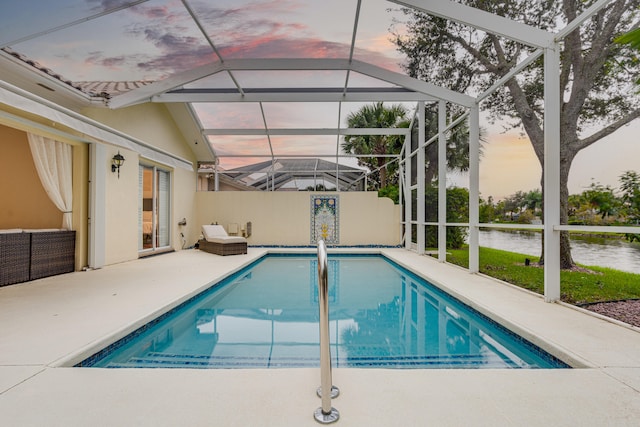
[383, 172]
[432, 162]
[566, 261]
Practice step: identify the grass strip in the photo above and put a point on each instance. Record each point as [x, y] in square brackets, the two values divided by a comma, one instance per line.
[587, 284]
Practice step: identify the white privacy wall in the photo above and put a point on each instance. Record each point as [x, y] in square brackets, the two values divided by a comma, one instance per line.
[284, 218]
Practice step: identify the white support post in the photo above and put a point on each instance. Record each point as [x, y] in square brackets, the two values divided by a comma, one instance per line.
[420, 178]
[551, 173]
[216, 182]
[442, 182]
[407, 195]
[474, 189]
[401, 196]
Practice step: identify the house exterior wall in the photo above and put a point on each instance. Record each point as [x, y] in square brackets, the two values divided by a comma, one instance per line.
[184, 190]
[284, 218]
[24, 203]
[152, 124]
[121, 208]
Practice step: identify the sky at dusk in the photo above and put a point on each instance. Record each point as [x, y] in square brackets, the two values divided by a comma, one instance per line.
[509, 164]
[158, 38]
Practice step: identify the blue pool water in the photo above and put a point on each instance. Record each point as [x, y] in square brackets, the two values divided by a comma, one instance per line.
[266, 316]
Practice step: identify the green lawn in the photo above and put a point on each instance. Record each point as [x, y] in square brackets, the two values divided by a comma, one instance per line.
[577, 287]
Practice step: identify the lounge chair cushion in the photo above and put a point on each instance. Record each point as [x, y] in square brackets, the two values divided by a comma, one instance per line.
[217, 234]
[228, 239]
[209, 231]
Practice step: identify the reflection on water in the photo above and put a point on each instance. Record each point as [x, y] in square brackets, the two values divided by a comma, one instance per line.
[612, 253]
[380, 316]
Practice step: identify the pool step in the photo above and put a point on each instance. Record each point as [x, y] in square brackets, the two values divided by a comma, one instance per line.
[159, 360]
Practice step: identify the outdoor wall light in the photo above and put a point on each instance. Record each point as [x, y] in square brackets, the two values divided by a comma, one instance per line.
[116, 162]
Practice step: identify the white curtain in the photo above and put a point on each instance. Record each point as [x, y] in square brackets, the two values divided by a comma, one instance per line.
[53, 160]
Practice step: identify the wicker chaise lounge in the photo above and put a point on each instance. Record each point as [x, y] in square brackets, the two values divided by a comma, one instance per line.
[217, 241]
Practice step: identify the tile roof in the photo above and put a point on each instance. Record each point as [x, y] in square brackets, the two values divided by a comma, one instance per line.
[95, 89]
[39, 67]
[109, 89]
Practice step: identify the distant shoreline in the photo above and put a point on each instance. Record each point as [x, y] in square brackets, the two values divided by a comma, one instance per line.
[582, 234]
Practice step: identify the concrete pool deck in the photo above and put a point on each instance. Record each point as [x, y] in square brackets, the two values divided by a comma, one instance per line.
[51, 323]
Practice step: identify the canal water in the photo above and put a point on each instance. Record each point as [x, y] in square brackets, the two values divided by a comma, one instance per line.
[613, 253]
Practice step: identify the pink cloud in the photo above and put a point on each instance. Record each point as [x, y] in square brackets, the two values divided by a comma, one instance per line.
[239, 116]
[254, 30]
[152, 42]
[228, 163]
[239, 145]
[304, 145]
[279, 47]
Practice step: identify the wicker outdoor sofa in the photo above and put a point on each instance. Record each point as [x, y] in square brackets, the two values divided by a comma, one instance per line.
[32, 254]
[216, 241]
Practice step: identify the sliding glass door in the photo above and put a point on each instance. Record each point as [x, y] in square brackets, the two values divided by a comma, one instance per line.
[153, 209]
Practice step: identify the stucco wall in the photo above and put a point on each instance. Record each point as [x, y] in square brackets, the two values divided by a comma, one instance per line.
[152, 124]
[284, 218]
[24, 203]
[184, 190]
[121, 216]
[121, 208]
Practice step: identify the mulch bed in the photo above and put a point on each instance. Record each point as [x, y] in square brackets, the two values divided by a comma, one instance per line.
[627, 311]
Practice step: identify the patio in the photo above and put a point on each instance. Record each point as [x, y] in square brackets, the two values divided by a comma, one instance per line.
[36, 388]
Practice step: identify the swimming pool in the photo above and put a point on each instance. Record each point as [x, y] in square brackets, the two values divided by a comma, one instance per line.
[266, 316]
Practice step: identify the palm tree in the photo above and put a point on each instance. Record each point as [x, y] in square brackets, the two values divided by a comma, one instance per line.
[457, 146]
[379, 116]
[375, 116]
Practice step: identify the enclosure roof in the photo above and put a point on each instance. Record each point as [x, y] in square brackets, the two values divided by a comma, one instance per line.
[242, 68]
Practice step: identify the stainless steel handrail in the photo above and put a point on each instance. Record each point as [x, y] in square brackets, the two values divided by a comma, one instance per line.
[326, 413]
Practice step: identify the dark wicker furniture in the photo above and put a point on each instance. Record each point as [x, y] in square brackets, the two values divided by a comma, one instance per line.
[15, 253]
[30, 255]
[52, 252]
[235, 248]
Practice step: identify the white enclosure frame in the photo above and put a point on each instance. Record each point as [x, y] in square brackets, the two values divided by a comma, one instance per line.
[405, 89]
[547, 45]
